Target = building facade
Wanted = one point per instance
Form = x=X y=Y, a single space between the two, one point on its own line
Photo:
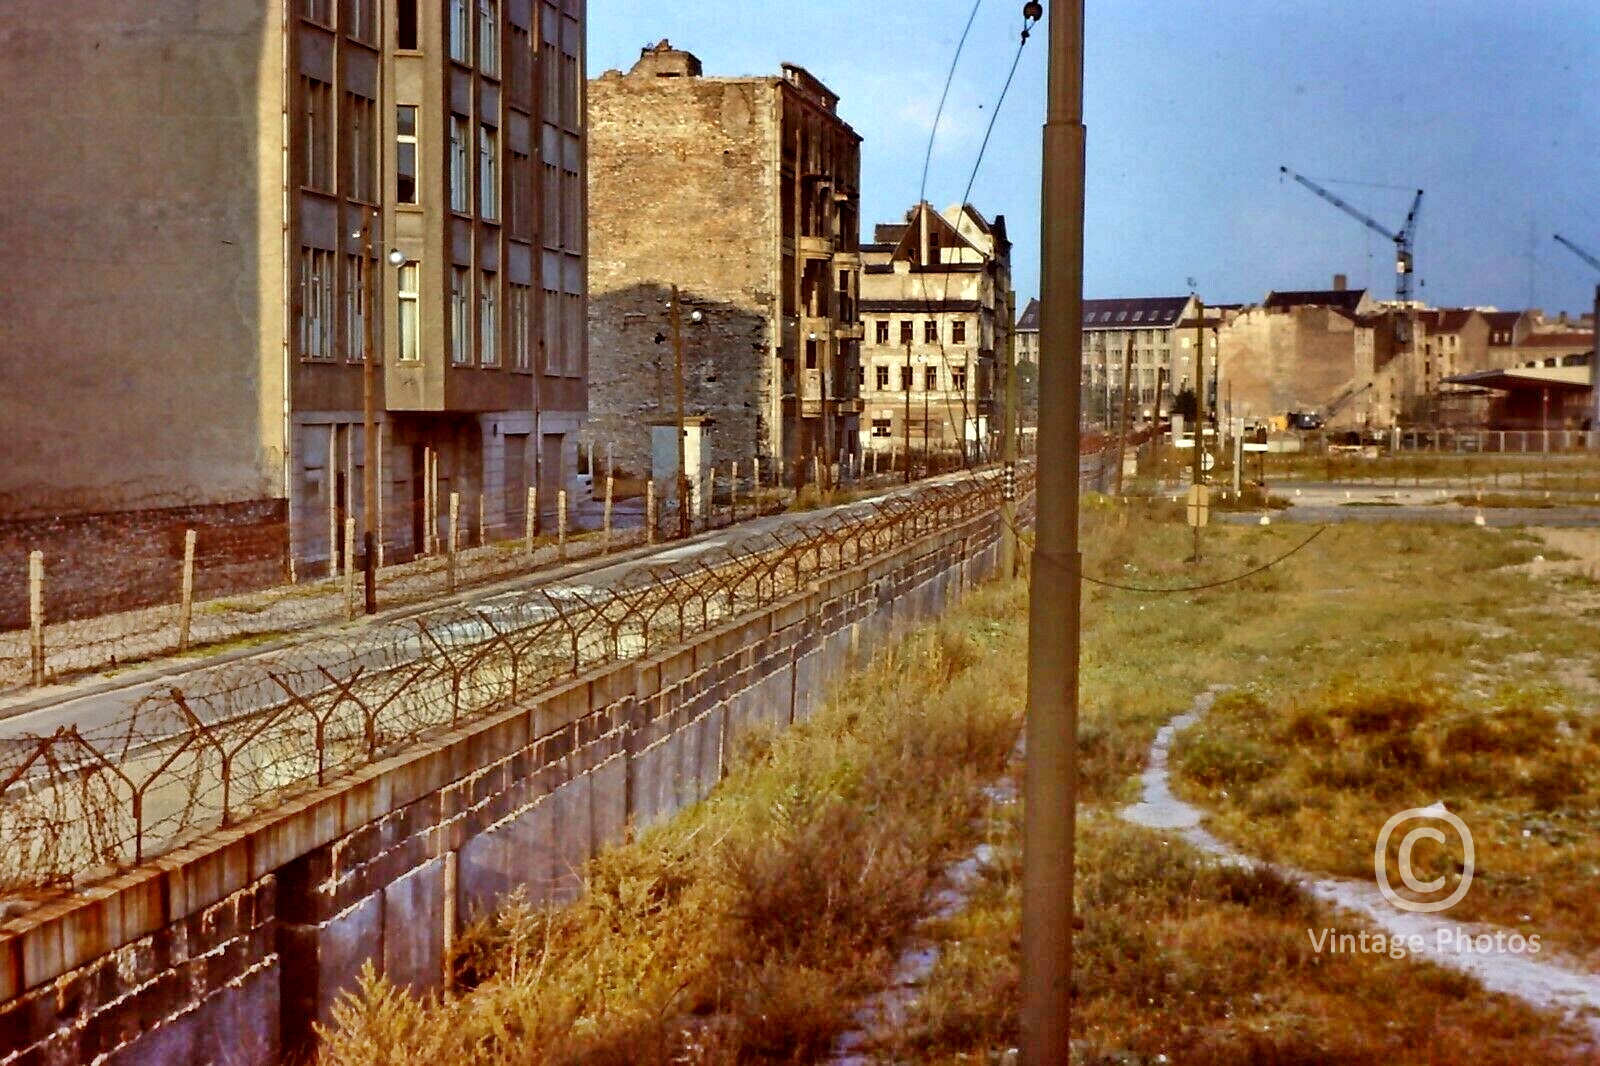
x=744 y=193
x=200 y=249
x=937 y=308
x=1162 y=365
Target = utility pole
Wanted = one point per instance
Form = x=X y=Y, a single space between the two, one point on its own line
x=1197 y=481
x=677 y=386
x=369 y=420
x=1008 y=459
x=907 y=383
x=1122 y=426
x=1054 y=608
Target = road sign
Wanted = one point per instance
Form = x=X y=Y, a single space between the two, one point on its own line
x=1207 y=460
x=1199 y=505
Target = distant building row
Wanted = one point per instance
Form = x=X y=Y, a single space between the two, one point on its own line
x=1355 y=362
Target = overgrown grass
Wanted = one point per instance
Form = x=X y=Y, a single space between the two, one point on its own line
x=746 y=929
x=1371 y=668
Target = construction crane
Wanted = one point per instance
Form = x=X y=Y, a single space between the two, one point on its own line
x=1579 y=252
x=1594 y=356
x=1404 y=264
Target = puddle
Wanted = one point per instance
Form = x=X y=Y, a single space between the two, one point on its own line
x=1540 y=982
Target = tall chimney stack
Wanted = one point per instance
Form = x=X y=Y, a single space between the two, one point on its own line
x=1340 y=283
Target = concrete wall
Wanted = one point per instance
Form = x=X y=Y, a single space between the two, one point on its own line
x=140 y=364
x=229 y=949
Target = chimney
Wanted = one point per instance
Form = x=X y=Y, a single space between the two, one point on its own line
x=1340 y=283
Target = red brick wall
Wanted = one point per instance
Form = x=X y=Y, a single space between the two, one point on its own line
x=99 y=563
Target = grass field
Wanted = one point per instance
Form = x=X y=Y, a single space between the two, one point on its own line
x=1372 y=668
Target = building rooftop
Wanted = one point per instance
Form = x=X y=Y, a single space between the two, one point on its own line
x=1028 y=321
x=1447 y=319
x=1137 y=313
x=1346 y=300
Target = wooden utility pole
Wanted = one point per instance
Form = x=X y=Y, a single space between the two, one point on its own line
x=1008 y=456
x=906 y=381
x=1054 y=607
x=369 y=421
x=1122 y=426
x=677 y=386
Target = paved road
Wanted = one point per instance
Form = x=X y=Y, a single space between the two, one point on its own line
x=1325 y=503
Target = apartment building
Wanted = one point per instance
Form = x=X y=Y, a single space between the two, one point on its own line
x=202 y=198
x=1161 y=368
x=937 y=310
x=743 y=192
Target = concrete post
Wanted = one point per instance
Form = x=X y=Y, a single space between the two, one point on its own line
x=332 y=470
x=733 y=492
x=528 y=517
x=483 y=529
x=650 y=512
x=605 y=543
x=36 y=617
x=350 y=567
x=450 y=544
x=186 y=608
x=561 y=523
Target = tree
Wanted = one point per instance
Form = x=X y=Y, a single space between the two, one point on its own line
x=1185 y=404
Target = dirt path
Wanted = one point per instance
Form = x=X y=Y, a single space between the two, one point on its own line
x=1535 y=979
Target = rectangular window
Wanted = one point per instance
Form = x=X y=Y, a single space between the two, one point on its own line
x=460 y=193
x=460 y=316
x=882 y=332
x=905 y=331
x=520 y=55
x=405 y=25
x=882 y=427
x=930 y=332
x=571 y=214
x=883 y=376
x=405 y=154
x=317 y=11
x=930 y=378
x=488 y=319
x=521 y=301
x=488 y=172
x=361 y=155
x=519 y=195
x=460 y=32
x=958 y=378
x=406 y=318
x=905 y=379
x=316 y=303
x=360 y=20
x=958 y=331
x=551 y=178
x=316 y=145
x=355 y=307
x=489 y=36
x=554 y=364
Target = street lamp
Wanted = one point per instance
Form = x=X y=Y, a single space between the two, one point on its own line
x=369 y=417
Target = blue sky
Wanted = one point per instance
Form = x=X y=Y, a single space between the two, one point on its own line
x=1493 y=108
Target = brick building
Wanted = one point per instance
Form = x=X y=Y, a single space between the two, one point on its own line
x=187 y=260
x=937 y=307
x=742 y=191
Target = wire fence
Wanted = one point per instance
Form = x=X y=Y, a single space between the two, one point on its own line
x=98 y=796
x=81 y=641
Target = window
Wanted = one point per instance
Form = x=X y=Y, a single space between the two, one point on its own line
x=883 y=376
x=883 y=331
x=360 y=20
x=520 y=44
x=521 y=305
x=905 y=379
x=405 y=25
x=930 y=378
x=405 y=154
x=488 y=171
x=519 y=196
x=460 y=316
x=551 y=177
x=361 y=158
x=571 y=214
x=355 y=307
x=317 y=11
x=317 y=134
x=905 y=331
x=958 y=331
x=460 y=32
x=553 y=363
x=489 y=36
x=958 y=378
x=460 y=195
x=930 y=332
x=406 y=340
x=882 y=427
x=488 y=319
x=316 y=303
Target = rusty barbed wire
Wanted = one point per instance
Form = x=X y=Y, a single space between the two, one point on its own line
x=236 y=737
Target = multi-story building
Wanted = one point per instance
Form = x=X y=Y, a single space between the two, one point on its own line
x=1027 y=333
x=937 y=309
x=202 y=197
x=744 y=193
x=1303 y=351
x=1161 y=369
